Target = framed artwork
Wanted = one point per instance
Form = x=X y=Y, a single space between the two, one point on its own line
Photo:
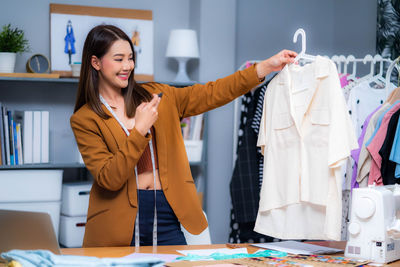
x=70 y=24
x=388 y=32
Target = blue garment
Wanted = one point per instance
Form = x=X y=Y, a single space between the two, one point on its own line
x=223 y=256
x=379 y=122
x=69 y=40
x=168 y=227
x=395 y=151
x=45 y=258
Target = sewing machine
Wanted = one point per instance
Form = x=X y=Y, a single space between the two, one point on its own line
x=374 y=228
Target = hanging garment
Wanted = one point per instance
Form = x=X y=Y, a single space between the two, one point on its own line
x=255 y=125
x=364 y=161
x=355 y=154
x=247 y=175
x=305 y=135
x=362 y=99
x=346 y=201
x=245 y=183
x=375 y=176
x=388 y=167
x=244 y=233
x=395 y=151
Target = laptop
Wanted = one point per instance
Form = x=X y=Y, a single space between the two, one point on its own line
x=27 y=230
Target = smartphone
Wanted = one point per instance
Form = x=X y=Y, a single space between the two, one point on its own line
x=160 y=94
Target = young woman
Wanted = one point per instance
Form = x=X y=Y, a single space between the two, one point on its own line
x=131 y=142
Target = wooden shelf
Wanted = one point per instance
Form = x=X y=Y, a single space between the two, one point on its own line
x=43 y=166
x=31 y=75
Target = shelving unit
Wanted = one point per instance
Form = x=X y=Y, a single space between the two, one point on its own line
x=57 y=95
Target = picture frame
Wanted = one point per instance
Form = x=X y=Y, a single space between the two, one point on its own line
x=70 y=24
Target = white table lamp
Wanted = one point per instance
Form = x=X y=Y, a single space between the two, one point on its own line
x=182 y=45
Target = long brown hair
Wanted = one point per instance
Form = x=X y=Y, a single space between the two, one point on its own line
x=97 y=43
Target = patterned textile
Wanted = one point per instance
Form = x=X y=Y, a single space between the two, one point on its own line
x=243 y=233
x=346 y=204
x=245 y=183
x=248 y=167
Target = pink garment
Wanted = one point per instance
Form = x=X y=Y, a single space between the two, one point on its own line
x=343 y=80
x=375 y=175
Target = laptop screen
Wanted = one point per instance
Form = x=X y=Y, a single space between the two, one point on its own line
x=27 y=230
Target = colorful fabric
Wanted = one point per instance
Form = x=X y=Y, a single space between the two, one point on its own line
x=355 y=154
x=375 y=176
x=44 y=258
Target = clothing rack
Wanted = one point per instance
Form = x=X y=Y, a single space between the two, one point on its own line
x=339 y=60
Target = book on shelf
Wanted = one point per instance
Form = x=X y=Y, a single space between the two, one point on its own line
x=192 y=127
x=36 y=140
x=185 y=125
x=11 y=137
x=3 y=148
x=198 y=125
x=6 y=136
x=25 y=118
x=19 y=144
x=44 y=155
x=15 y=142
x=24 y=136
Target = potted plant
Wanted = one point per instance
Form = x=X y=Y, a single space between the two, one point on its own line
x=12 y=41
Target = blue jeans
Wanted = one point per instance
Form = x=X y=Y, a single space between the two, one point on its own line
x=168 y=227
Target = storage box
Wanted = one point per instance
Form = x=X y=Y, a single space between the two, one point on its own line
x=30 y=185
x=52 y=208
x=194 y=149
x=75 y=198
x=72 y=230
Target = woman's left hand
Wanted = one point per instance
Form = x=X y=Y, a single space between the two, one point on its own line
x=275 y=63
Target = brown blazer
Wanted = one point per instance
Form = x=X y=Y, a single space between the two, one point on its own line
x=111 y=157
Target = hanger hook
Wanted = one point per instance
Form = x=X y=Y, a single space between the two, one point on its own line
x=379 y=58
x=352 y=59
x=369 y=58
x=303 y=39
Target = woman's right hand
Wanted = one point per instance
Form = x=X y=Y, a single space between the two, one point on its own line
x=146 y=115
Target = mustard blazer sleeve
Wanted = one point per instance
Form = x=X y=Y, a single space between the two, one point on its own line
x=110 y=166
x=197 y=99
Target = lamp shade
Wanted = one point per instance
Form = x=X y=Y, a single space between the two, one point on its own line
x=183 y=43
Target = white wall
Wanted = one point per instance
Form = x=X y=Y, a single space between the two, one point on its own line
x=264 y=27
x=217 y=48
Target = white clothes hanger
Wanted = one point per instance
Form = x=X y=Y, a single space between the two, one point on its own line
x=352 y=59
x=336 y=59
x=343 y=59
x=302 y=54
x=369 y=58
x=379 y=76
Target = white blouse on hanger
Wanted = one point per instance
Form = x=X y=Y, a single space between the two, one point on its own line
x=305 y=135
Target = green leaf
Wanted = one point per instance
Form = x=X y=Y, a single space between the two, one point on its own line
x=13 y=40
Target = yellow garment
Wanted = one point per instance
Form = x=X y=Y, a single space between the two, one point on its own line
x=14 y=264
